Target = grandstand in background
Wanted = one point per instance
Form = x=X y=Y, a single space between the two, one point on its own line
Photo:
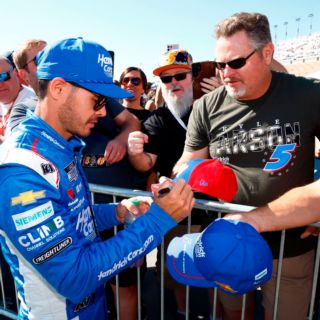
x=301 y=55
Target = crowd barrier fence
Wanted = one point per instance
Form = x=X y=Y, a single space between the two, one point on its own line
x=206 y=205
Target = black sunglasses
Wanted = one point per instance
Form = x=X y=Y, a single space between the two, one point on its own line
x=101 y=100
x=236 y=63
x=100 y=103
x=178 y=77
x=134 y=80
x=32 y=60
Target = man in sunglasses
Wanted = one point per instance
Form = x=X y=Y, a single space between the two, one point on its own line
x=263 y=124
x=155 y=146
x=48 y=224
x=105 y=163
x=160 y=143
x=25 y=59
x=12 y=92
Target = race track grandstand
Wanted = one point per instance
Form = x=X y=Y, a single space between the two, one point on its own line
x=301 y=55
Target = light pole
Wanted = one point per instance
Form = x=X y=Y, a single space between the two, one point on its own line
x=286 y=25
x=298 y=26
x=275 y=33
x=310 y=16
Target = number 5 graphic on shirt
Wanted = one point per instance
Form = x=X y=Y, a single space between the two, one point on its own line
x=280 y=157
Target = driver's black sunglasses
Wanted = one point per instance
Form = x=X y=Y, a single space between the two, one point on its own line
x=101 y=100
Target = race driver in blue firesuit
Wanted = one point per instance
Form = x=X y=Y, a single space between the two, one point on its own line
x=48 y=225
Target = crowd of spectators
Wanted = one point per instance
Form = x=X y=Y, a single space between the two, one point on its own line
x=299 y=49
x=142 y=136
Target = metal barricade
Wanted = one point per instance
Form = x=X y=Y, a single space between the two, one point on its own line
x=220 y=207
x=200 y=204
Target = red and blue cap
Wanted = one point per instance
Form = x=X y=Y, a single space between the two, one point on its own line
x=211 y=177
x=229 y=255
x=85 y=63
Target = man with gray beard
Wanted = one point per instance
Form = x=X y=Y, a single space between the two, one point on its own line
x=161 y=142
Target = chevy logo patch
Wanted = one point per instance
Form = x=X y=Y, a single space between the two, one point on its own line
x=28 y=197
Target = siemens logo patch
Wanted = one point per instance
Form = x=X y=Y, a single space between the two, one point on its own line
x=53 y=251
x=33 y=217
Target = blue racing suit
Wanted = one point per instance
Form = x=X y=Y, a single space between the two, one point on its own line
x=48 y=227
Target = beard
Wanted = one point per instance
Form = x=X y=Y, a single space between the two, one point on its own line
x=179 y=106
x=70 y=120
x=236 y=93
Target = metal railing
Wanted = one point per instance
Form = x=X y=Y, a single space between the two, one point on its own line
x=206 y=205
x=221 y=207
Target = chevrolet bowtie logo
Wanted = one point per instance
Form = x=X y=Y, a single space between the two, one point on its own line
x=27 y=197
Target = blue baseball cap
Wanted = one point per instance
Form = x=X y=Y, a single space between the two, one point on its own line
x=230 y=255
x=211 y=177
x=83 y=62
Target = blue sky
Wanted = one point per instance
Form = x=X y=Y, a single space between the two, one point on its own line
x=139 y=30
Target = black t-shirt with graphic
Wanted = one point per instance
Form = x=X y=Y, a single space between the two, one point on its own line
x=269 y=142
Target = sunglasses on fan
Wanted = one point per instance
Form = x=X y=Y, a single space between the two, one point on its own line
x=177 y=77
x=5 y=76
x=134 y=80
x=236 y=63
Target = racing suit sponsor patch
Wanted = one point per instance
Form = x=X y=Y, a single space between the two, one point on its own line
x=47 y=168
x=28 y=197
x=78 y=187
x=52 y=251
x=70 y=193
x=126 y=260
x=71 y=171
x=85 y=224
x=84 y=303
x=43 y=234
x=53 y=140
x=34 y=161
x=33 y=217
